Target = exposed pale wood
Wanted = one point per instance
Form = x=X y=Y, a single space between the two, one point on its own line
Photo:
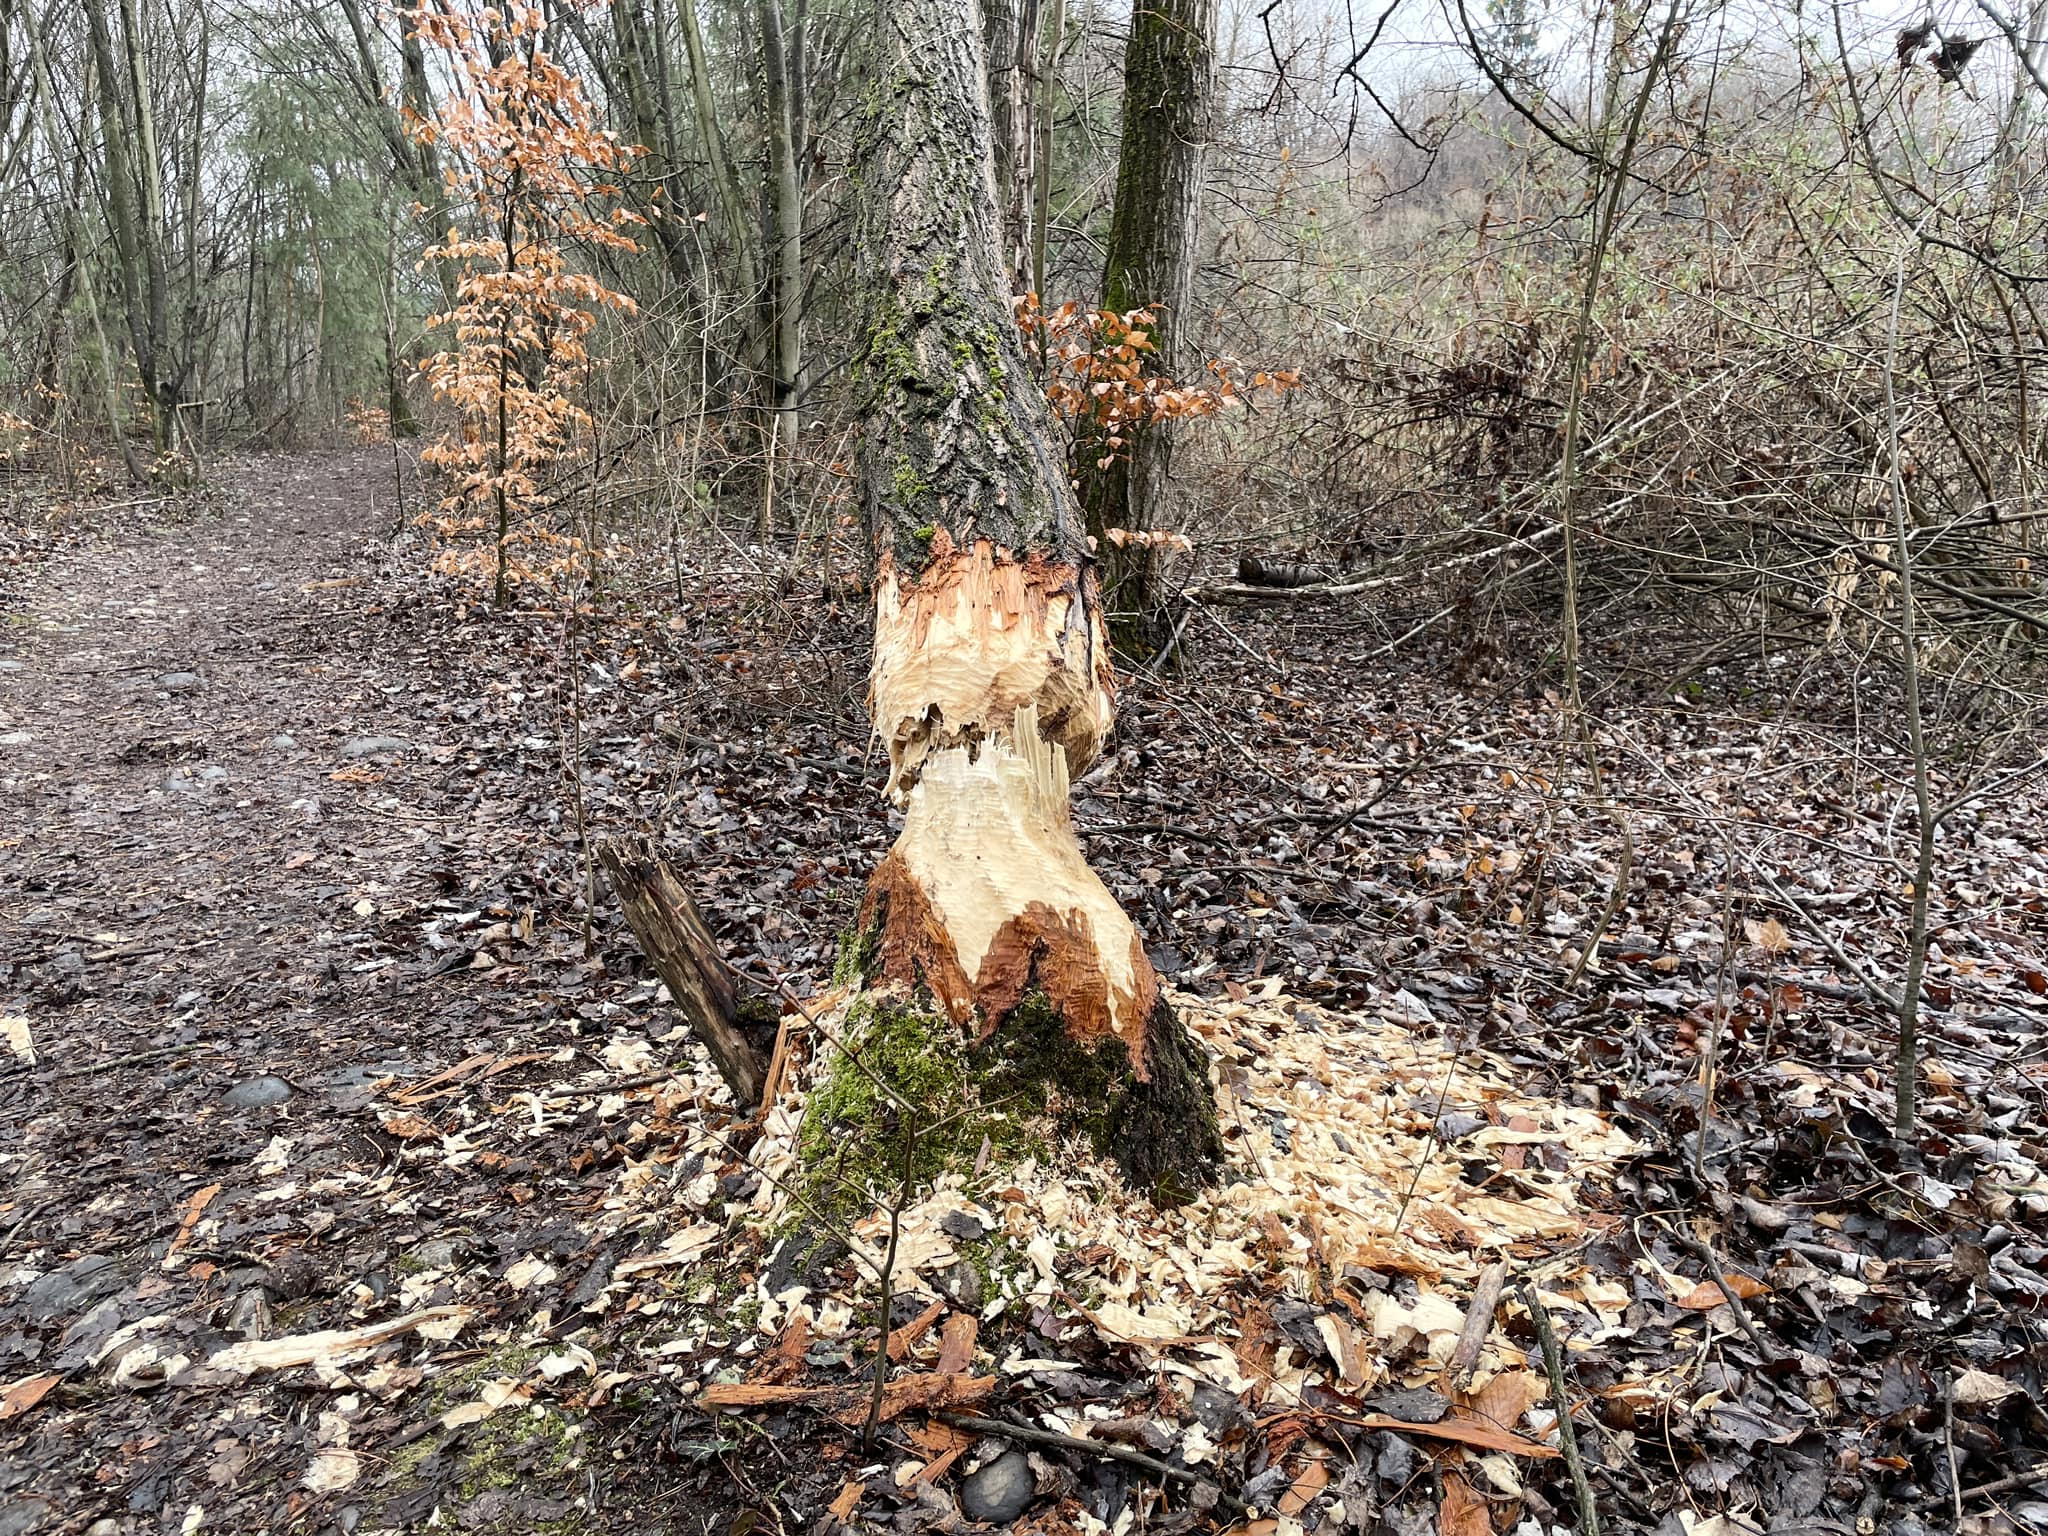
x=973 y=638
x=986 y=897
x=1478 y=1323
x=677 y=943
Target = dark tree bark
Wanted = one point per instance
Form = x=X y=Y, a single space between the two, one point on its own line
x=1169 y=86
x=674 y=938
x=1010 y=31
x=992 y=683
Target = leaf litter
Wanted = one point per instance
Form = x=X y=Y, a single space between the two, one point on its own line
x=1370 y=898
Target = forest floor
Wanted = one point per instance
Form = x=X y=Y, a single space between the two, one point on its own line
x=310 y=1026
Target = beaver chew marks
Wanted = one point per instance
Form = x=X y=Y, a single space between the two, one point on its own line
x=960 y=648
x=986 y=897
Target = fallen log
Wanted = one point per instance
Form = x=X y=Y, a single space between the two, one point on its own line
x=673 y=936
x=1254 y=571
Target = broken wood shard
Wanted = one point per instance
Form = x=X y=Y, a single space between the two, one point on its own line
x=986 y=897
x=673 y=936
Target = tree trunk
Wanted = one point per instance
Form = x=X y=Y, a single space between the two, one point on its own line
x=1169 y=72
x=156 y=268
x=121 y=216
x=782 y=49
x=723 y=177
x=991 y=686
x=1010 y=31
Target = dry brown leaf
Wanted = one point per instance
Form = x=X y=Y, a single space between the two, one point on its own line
x=848 y=1496
x=407 y=1126
x=1504 y=1399
x=1706 y=1296
x=1462 y=1512
x=18 y=1397
x=1308 y=1482
x=1486 y=1437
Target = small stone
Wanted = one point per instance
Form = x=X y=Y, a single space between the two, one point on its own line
x=437 y=1252
x=963 y=1226
x=16 y=739
x=372 y=746
x=960 y=1283
x=1000 y=1491
x=283 y=743
x=10 y=665
x=257 y=1093
x=178 y=682
x=250 y=1314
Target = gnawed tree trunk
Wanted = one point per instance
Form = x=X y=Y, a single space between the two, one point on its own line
x=991 y=685
x=1169 y=73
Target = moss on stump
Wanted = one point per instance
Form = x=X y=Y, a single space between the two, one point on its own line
x=1025 y=1090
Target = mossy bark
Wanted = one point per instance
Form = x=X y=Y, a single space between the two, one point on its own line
x=992 y=685
x=912 y=1091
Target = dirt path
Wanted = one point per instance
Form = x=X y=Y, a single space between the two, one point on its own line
x=228 y=905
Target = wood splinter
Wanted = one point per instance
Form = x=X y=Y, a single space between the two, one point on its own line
x=674 y=937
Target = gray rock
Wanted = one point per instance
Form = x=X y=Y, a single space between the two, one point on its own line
x=372 y=746
x=73 y=1288
x=283 y=743
x=437 y=1252
x=189 y=781
x=10 y=665
x=1000 y=1491
x=249 y=1315
x=93 y=1329
x=178 y=682
x=960 y=1283
x=257 y=1093
x=963 y=1226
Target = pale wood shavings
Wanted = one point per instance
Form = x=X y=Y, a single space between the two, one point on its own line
x=1342 y=1184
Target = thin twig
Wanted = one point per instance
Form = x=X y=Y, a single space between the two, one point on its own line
x=1567 y=1438
x=886 y=1285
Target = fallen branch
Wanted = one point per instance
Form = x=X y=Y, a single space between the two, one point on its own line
x=1567 y=1438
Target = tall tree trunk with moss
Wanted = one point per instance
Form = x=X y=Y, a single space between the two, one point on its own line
x=1169 y=86
x=991 y=687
